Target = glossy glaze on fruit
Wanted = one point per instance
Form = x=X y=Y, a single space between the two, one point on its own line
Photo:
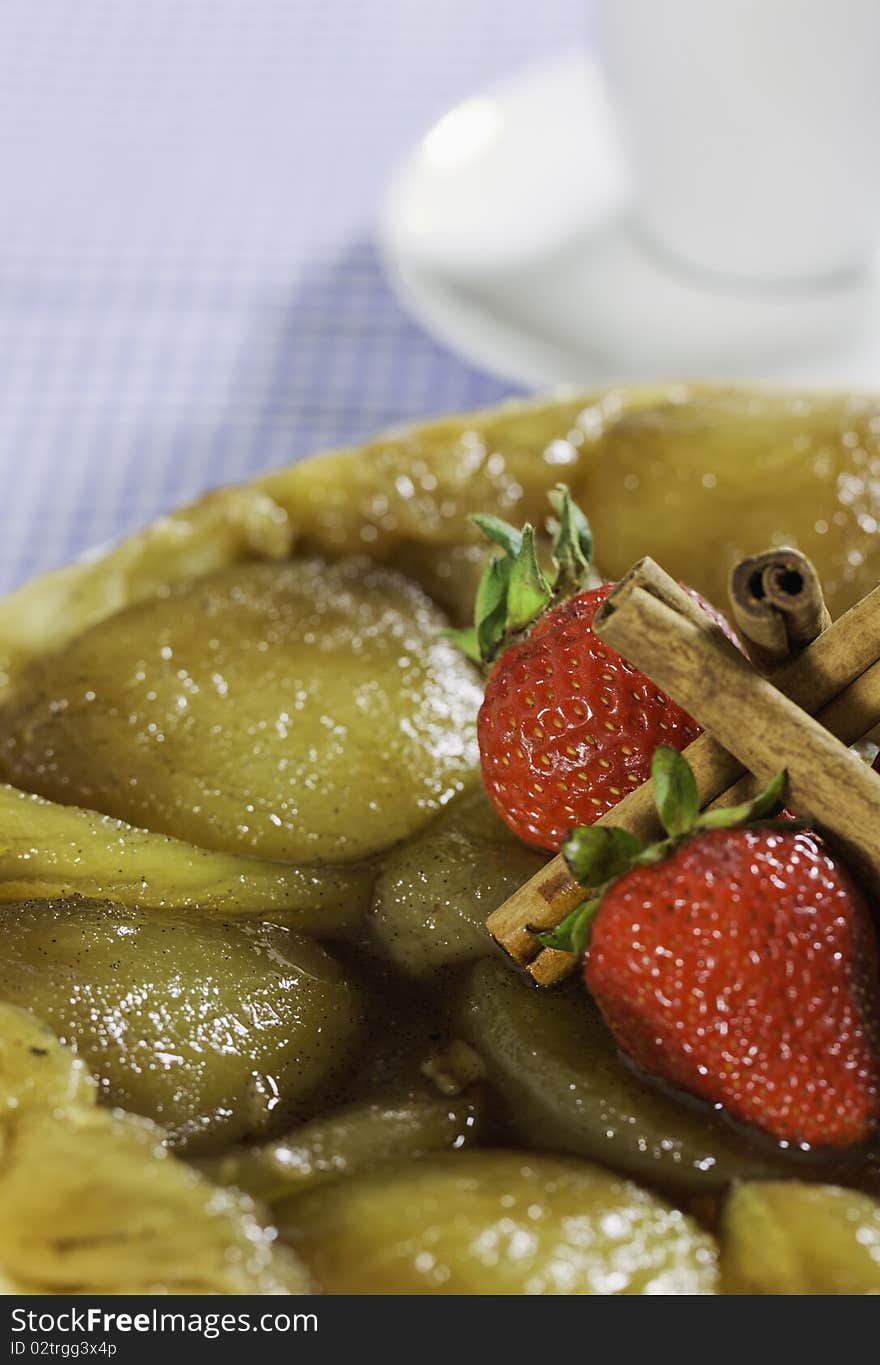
x=217 y=1031
x=245 y=712
x=286 y=968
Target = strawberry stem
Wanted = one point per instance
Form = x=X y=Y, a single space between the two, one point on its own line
x=514 y=591
x=572 y=544
x=528 y=591
x=599 y=855
x=573 y=934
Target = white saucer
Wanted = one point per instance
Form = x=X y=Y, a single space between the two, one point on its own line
x=508 y=233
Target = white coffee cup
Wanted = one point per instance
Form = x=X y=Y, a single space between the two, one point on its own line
x=752 y=128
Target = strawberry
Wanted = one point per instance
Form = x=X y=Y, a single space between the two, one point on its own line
x=566 y=727
x=735 y=960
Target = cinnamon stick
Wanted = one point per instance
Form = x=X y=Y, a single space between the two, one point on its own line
x=851 y=715
x=830 y=668
x=777 y=604
x=764 y=729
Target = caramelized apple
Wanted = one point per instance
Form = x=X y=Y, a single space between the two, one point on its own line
x=216 y=1031
x=497 y=1223
x=782 y=1237
x=701 y=482
x=434 y=893
x=302 y=712
x=93 y=1203
x=567 y=1089
x=50 y=851
x=347 y=1142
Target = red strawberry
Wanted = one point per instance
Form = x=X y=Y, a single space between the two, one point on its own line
x=568 y=727
x=740 y=964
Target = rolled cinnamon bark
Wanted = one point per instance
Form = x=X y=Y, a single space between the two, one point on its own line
x=851 y=715
x=766 y=730
x=777 y=605
x=838 y=674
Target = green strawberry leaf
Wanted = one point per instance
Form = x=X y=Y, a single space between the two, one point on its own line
x=655 y=853
x=513 y=591
x=528 y=591
x=492 y=587
x=596 y=854
x=599 y=855
x=762 y=806
x=500 y=532
x=573 y=934
x=572 y=543
x=675 y=791
x=490 y=611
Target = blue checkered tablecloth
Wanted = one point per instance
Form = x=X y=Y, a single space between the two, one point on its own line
x=188 y=291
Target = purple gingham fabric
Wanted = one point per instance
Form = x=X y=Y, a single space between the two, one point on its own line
x=188 y=291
